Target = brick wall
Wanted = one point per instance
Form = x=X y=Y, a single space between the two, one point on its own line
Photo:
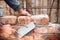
x=36 y=7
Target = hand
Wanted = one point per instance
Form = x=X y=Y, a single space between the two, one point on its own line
x=7 y=30
x=24 y=13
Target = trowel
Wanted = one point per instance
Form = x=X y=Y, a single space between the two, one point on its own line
x=25 y=29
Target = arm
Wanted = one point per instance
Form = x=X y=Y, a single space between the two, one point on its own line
x=16 y=6
x=13 y=4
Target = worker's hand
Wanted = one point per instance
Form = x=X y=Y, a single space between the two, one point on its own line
x=23 y=13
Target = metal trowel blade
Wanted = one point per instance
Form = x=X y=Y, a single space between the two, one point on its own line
x=26 y=29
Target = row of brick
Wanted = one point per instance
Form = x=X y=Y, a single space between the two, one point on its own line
x=37 y=19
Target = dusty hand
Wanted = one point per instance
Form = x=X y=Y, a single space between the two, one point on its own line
x=7 y=30
x=23 y=13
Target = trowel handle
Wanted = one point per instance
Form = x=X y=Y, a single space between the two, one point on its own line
x=1 y=24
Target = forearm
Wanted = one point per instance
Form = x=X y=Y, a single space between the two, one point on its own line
x=13 y=4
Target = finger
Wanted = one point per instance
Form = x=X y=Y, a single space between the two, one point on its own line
x=28 y=14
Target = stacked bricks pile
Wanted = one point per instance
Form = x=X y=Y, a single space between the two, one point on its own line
x=42 y=31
